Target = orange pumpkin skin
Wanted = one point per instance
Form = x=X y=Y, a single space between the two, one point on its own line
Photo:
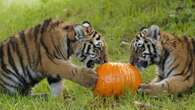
x=114 y=78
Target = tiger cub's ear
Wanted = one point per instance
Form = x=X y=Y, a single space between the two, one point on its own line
x=87 y=26
x=154 y=32
x=142 y=28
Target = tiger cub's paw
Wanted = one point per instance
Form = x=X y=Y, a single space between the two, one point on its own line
x=148 y=89
x=88 y=77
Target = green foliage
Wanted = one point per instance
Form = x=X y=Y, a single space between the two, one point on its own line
x=117 y=20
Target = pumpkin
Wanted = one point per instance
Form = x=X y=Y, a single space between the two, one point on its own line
x=115 y=78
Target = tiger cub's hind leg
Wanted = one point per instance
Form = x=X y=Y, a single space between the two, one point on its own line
x=56 y=85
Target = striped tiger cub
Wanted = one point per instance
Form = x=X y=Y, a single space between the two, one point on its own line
x=173 y=56
x=44 y=52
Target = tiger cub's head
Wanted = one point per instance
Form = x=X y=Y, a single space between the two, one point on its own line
x=92 y=48
x=146 y=48
x=62 y=40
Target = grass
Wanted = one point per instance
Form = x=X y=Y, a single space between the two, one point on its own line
x=117 y=20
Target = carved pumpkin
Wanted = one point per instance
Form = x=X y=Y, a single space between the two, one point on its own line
x=114 y=78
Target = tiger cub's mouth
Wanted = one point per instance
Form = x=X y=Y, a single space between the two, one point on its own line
x=141 y=63
x=90 y=64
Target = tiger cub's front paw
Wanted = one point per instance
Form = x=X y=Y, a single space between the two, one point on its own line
x=147 y=89
x=88 y=77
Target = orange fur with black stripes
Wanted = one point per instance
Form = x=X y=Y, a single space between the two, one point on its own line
x=173 y=56
x=44 y=52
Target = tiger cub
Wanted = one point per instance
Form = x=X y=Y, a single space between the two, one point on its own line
x=44 y=52
x=173 y=56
